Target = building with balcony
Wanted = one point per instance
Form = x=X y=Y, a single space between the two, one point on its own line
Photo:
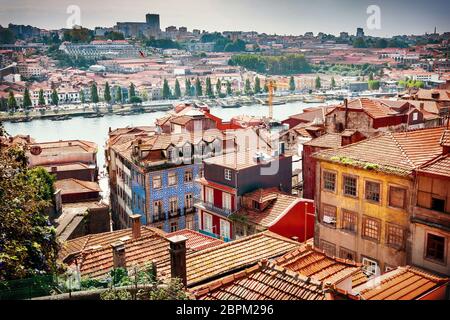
x=228 y=178
x=365 y=194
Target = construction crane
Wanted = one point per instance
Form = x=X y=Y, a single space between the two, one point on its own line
x=270 y=99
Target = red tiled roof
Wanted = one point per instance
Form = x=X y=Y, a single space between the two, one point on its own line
x=314 y=263
x=264 y=281
x=234 y=255
x=396 y=153
x=70 y=186
x=329 y=140
x=403 y=283
x=439 y=166
x=196 y=241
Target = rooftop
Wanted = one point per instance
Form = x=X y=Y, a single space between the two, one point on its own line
x=393 y=153
x=264 y=281
x=196 y=241
x=71 y=186
x=403 y=283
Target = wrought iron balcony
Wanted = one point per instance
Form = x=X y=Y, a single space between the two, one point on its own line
x=211 y=207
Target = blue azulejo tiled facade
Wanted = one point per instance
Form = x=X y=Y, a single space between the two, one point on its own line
x=164 y=204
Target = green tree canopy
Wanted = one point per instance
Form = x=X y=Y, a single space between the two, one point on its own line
x=12 y=103
x=41 y=100
x=118 y=98
x=94 y=93
x=187 y=86
x=27 y=99
x=229 y=88
x=132 y=90
x=177 y=92
x=292 y=84
x=218 y=87
x=166 y=90
x=247 y=87
x=198 y=88
x=333 y=82
x=318 y=83
x=107 y=93
x=28 y=244
x=209 y=90
x=55 y=97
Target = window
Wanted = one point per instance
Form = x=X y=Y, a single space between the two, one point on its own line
x=395 y=236
x=347 y=254
x=228 y=174
x=328 y=247
x=157 y=182
x=349 y=221
x=188 y=176
x=437 y=204
x=435 y=247
x=329 y=215
x=224 y=228
x=370 y=266
x=226 y=201
x=371 y=228
x=209 y=195
x=173 y=205
x=256 y=205
x=372 y=191
x=157 y=208
x=190 y=222
x=173 y=226
x=172 y=178
x=350 y=186
x=207 y=222
x=329 y=181
x=397 y=197
x=188 y=201
x=415 y=116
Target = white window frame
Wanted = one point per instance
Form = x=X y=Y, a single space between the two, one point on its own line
x=226 y=201
x=225 y=228
x=370 y=266
x=227 y=174
x=207 y=222
x=209 y=195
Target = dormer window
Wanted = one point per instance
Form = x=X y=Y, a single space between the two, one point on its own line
x=256 y=205
x=227 y=174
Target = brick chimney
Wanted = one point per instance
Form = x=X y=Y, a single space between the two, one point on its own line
x=118 y=249
x=178 y=258
x=135 y=226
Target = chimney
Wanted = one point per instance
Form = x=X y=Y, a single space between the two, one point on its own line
x=135 y=226
x=178 y=258
x=422 y=106
x=346 y=113
x=118 y=249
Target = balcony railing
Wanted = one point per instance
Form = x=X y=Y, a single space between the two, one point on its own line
x=211 y=207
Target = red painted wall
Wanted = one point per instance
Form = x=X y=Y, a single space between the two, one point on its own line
x=218 y=198
x=298 y=222
x=215 y=223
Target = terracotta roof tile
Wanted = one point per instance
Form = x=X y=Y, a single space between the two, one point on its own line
x=70 y=186
x=265 y=281
x=329 y=140
x=396 y=153
x=314 y=263
x=196 y=241
x=233 y=255
x=403 y=283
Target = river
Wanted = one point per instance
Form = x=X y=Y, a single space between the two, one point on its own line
x=96 y=129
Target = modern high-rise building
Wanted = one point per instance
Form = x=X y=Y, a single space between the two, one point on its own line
x=360 y=33
x=152 y=21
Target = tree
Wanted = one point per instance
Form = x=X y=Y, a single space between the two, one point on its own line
x=333 y=82
x=177 y=92
x=27 y=239
x=55 y=97
x=118 y=95
x=12 y=103
x=359 y=43
x=187 y=86
x=229 y=89
x=6 y=36
x=82 y=96
x=371 y=76
x=318 y=83
x=41 y=100
x=247 y=87
x=257 y=85
x=166 y=90
x=94 y=93
x=266 y=87
x=218 y=87
x=27 y=99
x=107 y=93
x=374 y=85
x=292 y=84
x=209 y=91
x=132 y=90
x=198 y=88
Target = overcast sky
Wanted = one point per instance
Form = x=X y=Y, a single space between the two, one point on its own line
x=270 y=16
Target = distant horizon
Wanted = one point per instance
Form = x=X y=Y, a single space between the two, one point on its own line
x=286 y=17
